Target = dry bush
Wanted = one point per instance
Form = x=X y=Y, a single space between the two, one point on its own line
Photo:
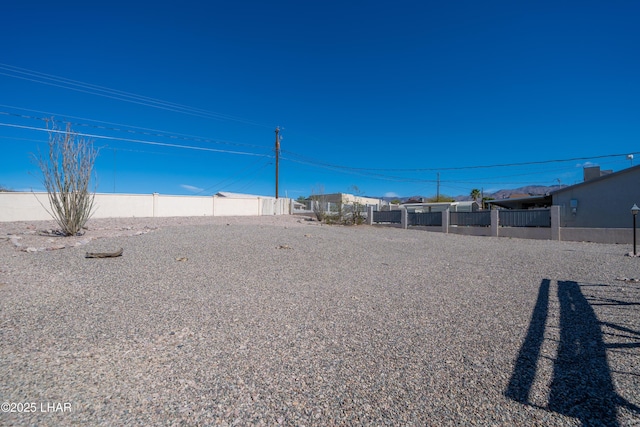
x=66 y=174
x=319 y=203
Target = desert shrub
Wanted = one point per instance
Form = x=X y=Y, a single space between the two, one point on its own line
x=66 y=174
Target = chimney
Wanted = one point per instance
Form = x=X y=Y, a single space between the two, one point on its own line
x=591 y=172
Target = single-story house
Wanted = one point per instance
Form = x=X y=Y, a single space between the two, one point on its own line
x=465 y=206
x=601 y=201
x=333 y=200
x=528 y=202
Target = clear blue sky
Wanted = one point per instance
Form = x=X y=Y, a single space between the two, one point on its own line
x=377 y=94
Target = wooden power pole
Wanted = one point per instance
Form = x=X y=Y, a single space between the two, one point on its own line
x=277 y=157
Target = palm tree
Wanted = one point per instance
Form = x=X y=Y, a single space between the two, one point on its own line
x=475 y=194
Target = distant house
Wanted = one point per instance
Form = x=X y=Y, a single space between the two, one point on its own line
x=230 y=195
x=465 y=206
x=415 y=200
x=524 y=202
x=333 y=200
x=603 y=200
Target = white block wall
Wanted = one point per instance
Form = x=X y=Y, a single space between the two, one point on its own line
x=29 y=206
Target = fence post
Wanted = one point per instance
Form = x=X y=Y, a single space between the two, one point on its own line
x=404 y=218
x=555 y=222
x=370 y=215
x=495 y=222
x=445 y=221
x=155 y=204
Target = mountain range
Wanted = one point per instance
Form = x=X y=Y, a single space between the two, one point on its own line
x=529 y=190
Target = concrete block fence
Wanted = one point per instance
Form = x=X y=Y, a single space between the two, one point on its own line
x=551 y=232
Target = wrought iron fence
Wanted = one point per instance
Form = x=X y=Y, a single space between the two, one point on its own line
x=471 y=219
x=425 y=218
x=387 y=216
x=525 y=217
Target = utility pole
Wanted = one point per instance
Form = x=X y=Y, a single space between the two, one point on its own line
x=438 y=189
x=277 y=156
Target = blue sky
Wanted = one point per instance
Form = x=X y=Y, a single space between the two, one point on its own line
x=378 y=95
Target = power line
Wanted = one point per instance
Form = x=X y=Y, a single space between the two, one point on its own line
x=146 y=131
x=138 y=141
x=92 y=89
x=356 y=172
x=540 y=162
x=231 y=178
x=247 y=185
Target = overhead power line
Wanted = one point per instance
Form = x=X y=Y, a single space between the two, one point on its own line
x=92 y=89
x=236 y=177
x=139 y=141
x=500 y=165
x=355 y=172
x=145 y=131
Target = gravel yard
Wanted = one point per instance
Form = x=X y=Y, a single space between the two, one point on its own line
x=281 y=321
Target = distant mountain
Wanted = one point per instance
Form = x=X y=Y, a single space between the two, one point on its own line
x=529 y=190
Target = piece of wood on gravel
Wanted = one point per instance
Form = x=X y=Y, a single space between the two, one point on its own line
x=104 y=254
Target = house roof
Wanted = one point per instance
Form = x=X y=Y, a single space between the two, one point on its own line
x=598 y=179
x=521 y=202
x=238 y=195
x=460 y=203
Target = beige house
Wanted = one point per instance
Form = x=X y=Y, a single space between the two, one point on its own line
x=334 y=200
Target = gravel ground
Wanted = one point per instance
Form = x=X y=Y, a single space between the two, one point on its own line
x=281 y=321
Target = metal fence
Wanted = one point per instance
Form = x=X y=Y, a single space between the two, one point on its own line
x=471 y=219
x=387 y=216
x=506 y=218
x=425 y=218
x=525 y=218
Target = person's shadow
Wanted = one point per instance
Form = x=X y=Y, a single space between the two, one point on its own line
x=582 y=386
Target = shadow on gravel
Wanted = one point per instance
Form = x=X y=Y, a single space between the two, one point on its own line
x=582 y=386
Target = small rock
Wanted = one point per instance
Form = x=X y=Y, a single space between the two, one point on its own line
x=31 y=249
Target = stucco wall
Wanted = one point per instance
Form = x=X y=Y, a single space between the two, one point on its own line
x=183 y=206
x=598 y=235
x=470 y=231
x=122 y=205
x=541 y=233
x=23 y=206
x=236 y=207
x=29 y=206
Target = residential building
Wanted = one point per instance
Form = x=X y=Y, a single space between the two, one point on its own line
x=603 y=200
x=464 y=206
